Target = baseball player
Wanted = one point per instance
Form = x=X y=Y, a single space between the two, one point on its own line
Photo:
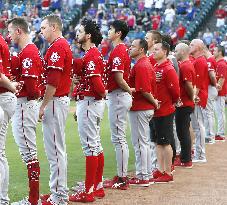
x=183 y=112
x=25 y=119
x=142 y=78
x=201 y=95
x=89 y=110
x=168 y=92
x=219 y=53
x=55 y=106
x=7 y=109
x=153 y=37
x=209 y=121
x=119 y=100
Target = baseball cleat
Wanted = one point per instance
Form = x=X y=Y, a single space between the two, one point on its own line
x=139 y=182
x=165 y=178
x=219 y=138
x=183 y=164
x=82 y=197
x=99 y=193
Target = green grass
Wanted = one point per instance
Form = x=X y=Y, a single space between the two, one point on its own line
x=76 y=164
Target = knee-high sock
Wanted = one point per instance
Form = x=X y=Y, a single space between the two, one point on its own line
x=99 y=172
x=91 y=168
x=33 y=177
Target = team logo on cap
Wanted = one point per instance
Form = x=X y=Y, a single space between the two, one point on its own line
x=27 y=63
x=91 y=66
x=117 y=61
x=54 y=57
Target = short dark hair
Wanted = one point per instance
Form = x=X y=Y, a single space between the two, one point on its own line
x=121 y=26
x=20 y=23
x=143 y=44
x=165 y=46
x=90 y=27
x=156 y=35
x=221 y=49
x=52 y=19
x=167 y=38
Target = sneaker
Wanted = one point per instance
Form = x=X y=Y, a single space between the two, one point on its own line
x=99 y=193
x=25 y=202
x=209 y=141
x=188 y=165
x=122 y=183
x=44 y=197
x=139 y=182
x=177 y=162
x=156 y=174
x=82 y=197
x=199 y=160
x=219 y=138
x=165 y=178
x=108 y=183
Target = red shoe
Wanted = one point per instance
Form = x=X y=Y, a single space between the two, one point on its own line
x=219 y=138
x=172 y=168
x=108 y=183
x=121 y=183
x=139 y=182
x=44 y=197
x=177 y=162
x=188 y=165
x=155 y=174
x=99 y=193
x=48 y=202
x=165 y=178
x=82 y=197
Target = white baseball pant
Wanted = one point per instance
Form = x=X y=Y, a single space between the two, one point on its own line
x=220 y=114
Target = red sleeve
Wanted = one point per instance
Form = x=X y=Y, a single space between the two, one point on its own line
x=77 y=66
x=98 y=85
x=56 y=58
x=222 y=71
x=172 y=84
x=1 y=67
x=200 y=67
x=94 y=67
x=53 y=78
x=186 y=74
x=118 y=60
x=142 y=80
x=31 y=87
x=211 y=64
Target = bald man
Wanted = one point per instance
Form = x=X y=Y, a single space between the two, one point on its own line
x=186 y=107
x=201 y=96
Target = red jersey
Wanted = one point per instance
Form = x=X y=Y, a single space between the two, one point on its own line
x=142 y=78
x=155 y=21
x=181 y=30
x=119 y=61
x=93 y=66
x=222 y=73
x=220 y=13
x=187 y=73
x=29 y=70
x=202 y=79
x=168 y=90
x=152 y=60
x=212 y=64
x=4 y=60
x=59 y=59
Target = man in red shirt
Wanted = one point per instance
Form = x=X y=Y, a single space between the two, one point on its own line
x=201 y=96
x=55 y=106
x=143 y=79
x=119 y=100
x=152 y=37
x=168 y=92
x=90 y=110
x=212 y=95
x=186 y=105
x=219 y=53
x=7 y=108
x=181 y=30
x=25 y=119
x=220 y=13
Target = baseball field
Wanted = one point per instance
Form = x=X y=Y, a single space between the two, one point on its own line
x=76 y=166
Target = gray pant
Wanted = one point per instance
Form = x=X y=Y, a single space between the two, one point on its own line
x=24 y=123
x=197 y=119
x=89 y=115
x=55 y=115
x=8 y=104
x=220 y=113
x=209 y=120
x=119 y=103
x=140 y=133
